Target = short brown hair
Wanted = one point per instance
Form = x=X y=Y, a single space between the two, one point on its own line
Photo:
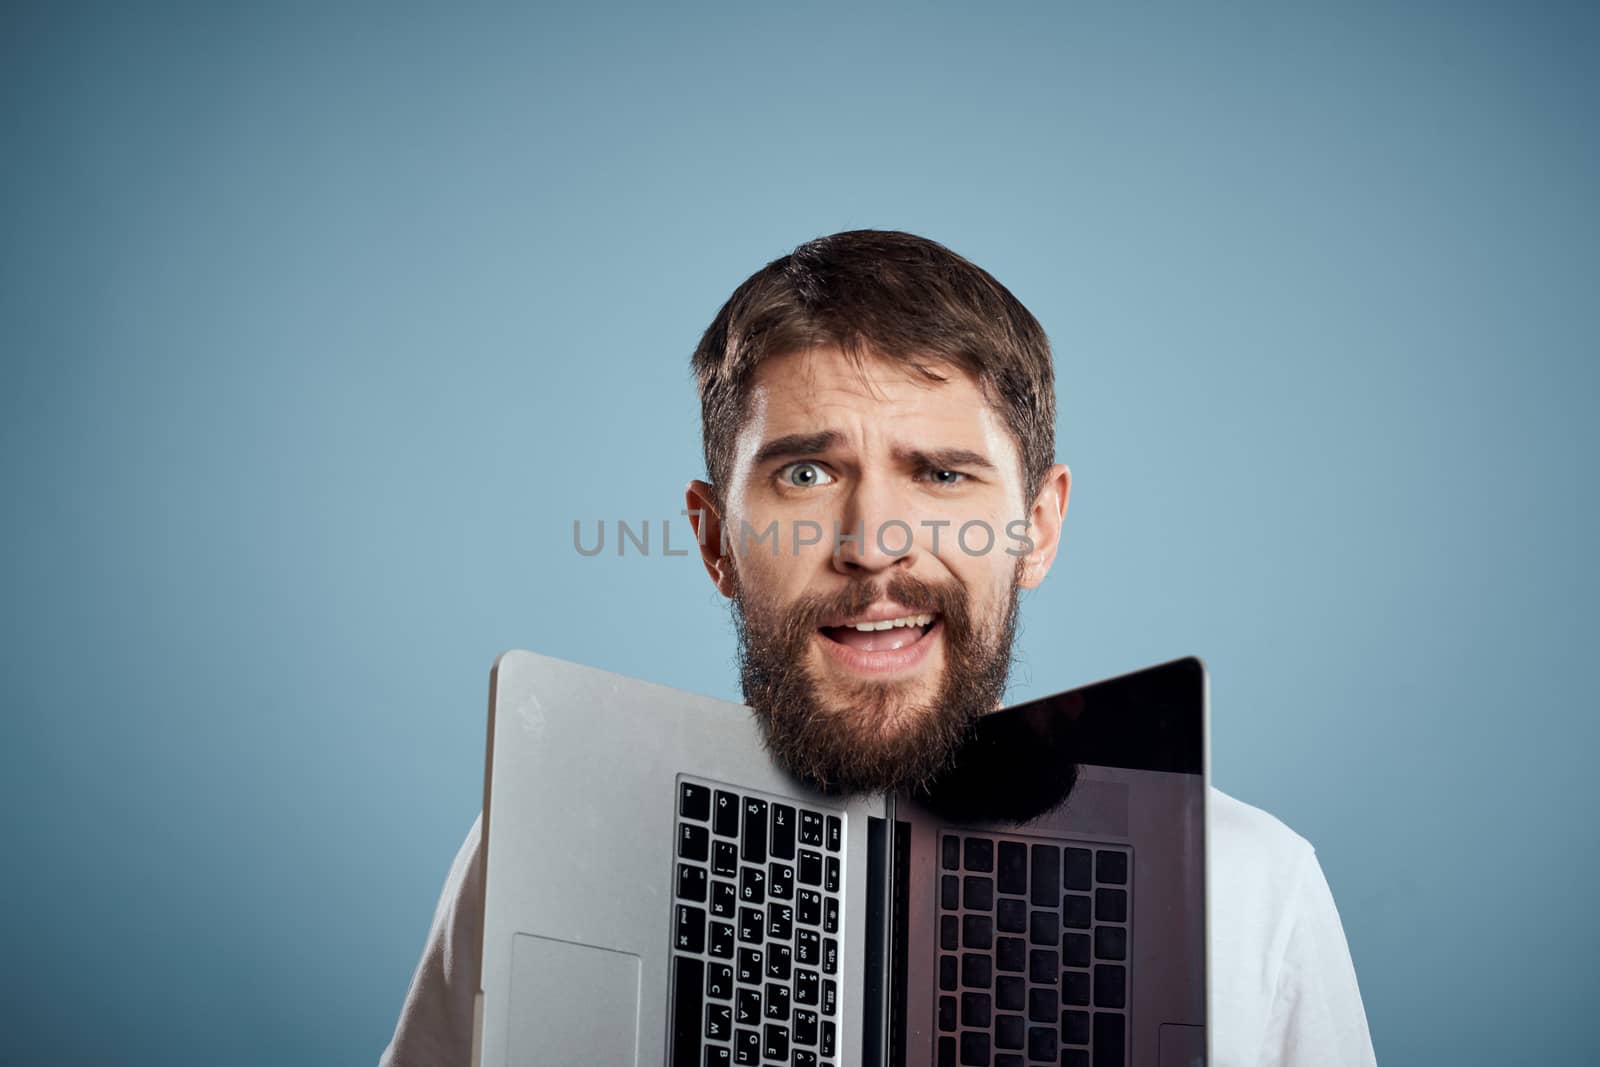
x=889 y=294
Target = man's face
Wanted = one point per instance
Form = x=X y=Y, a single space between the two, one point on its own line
x=923 y=479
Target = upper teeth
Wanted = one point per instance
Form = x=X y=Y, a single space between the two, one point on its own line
x=889 y=624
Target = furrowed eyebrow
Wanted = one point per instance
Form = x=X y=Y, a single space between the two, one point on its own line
x=943 y=459
x=795 y=444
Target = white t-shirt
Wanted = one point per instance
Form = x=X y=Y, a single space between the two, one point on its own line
x=1283 y=988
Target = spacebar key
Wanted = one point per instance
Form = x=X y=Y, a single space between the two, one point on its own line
x=688 y=996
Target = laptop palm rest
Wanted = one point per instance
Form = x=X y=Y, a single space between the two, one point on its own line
x=572 y=1003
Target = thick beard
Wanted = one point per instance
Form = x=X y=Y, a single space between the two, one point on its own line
x=870 y=741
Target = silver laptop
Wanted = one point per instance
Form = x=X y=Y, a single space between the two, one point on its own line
x=658 y=891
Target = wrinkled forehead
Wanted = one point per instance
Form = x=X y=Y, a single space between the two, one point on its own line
x=873 y=400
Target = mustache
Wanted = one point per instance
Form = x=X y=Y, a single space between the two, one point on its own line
x=947 y=600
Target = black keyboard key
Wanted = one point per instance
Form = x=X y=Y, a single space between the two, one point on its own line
x=721 y=941
x=779 y=959
x=805 y=987
x=975 y=1009
x=831 y=881
x=805 y=1027
x=830 y=996
x=949 y=933
x=719 y=1056
x=807 y=947
x=750 y=923
x=719 y=1021
x=725 y=814
x=777 y=1002
x=1008 y=1031
x=1075 y=950
x=753 y=839
x=725 y=859
x=977 y=972
x=1011 y=915
x=950 y=893
x=1043 y=1005
x=947 y=973
x=719 y=982
x=1075 y=912
x=780 y=922
x=1011 y=954
x=746 y=1046
x=1111 y=905
x=947 y=1014
x=950 y=852
x=1044 y=966
x=1046 y=875
x=1079 y=873
x=1042 y=1043
x=688 y=978
x=980 y=854
x=1077 y=1057
x=776 y=1043
x=947 y=1052
x=810 y=828
x=977 y=931
x=974 y=1049
x=724 y=900
x=1111 y=942
x=808 y=907
x=694 y=801
x=1111 y=867
x=1075 y=987
x=780 y=881
x=830 y=956
x=810 y=867
x=826 y=1046
x=1006 y=1059
x=750 y=962
x=693 y=842
x=782 y=841
x=691 y=935
x=1012 y=869
x=977 y=893
x=692 y=883
x=1009 y=992
x=748 y=1011
x=1045 y=928
x=1108 y=1039
x=1075 y=1027
x=835 y=834
x=1110 y=985
x=753 y=885
x=804 y=1058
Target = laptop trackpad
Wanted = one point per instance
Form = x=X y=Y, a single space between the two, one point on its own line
x=572 y=1003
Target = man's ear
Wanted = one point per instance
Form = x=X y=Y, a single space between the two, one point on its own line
x=1045 y=519
x=705 y=517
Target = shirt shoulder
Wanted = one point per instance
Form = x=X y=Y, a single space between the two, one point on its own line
x=435 y=1024
x=1283 y=988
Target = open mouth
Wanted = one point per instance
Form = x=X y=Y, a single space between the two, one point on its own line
x=885 y=635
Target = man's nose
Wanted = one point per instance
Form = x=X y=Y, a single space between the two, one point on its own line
x=875 y=532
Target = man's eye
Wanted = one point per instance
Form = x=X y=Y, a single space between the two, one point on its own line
x=805 y=475
x=946 y=477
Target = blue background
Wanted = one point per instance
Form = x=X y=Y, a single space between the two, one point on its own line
x=320 y=328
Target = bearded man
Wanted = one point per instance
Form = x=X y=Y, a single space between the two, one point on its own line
x=878 y=422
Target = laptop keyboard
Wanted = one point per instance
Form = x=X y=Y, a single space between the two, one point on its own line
x=1034 y=942
x=757 y=927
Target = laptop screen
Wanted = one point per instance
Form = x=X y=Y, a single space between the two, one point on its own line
x=1052 y=884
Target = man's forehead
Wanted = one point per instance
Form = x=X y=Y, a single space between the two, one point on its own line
x=822 y=382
